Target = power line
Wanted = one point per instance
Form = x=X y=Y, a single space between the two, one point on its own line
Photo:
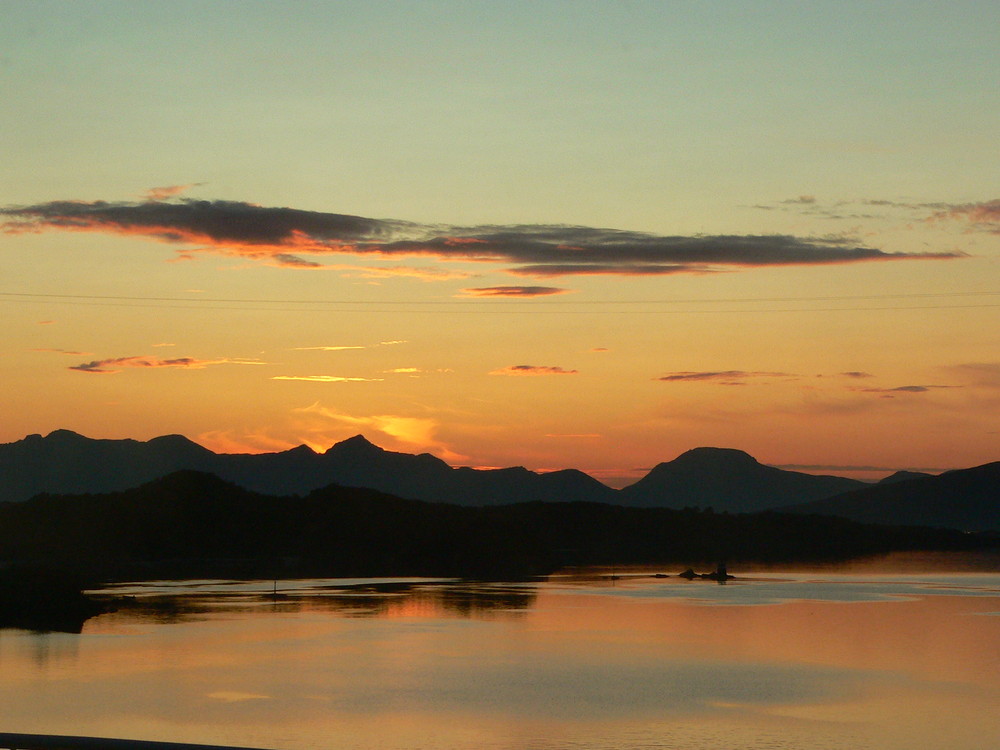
x=351 y=306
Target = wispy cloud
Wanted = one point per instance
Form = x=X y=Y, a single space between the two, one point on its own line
x=860 y=468
x=513 y=291
x=281 y=235
x=327 y=378
x=983 y=374
x=532 y=370
x=64 y=351
x=722 y=377
x=344 y=347
x=325 y=348
x=982 y=216
x=857 y=374
x=117 y=364
x=907 y=389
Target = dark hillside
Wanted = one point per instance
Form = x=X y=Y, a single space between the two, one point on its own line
x=191 y=524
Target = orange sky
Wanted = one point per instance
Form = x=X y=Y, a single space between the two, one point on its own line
x=782 y=236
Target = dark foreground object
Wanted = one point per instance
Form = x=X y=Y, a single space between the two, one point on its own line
x=10 y=741
x=39 y=598
x=719 y=574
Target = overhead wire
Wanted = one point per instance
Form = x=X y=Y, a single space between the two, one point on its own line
x=499 y=305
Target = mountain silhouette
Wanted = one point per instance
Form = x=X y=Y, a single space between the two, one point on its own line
x=730 y=480
x=65 y=463
x=966 y=499
x=723 y=479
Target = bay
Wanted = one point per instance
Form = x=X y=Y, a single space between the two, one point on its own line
x=825 y=659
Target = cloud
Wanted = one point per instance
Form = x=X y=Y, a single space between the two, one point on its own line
x=116 y=365
x=281 y=235
x=983 y=216
x=327 y=379
x=857 y=374
x=722 y=377
x=907 y=389
x=532 y=370
x=342 y=347
x=984 y=374
x=423 y=273
x=863 y=468
x=419 y=432
x=325 y=348
x=513 y=291
x=169 y=191
x=236 y=696
x=805 y=200
x=64 y=351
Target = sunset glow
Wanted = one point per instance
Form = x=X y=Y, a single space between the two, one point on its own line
x=653 y=226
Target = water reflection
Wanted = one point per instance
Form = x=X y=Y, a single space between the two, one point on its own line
x=772 y=660
x=369 y=599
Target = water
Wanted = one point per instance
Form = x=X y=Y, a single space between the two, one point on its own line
x=777 y=659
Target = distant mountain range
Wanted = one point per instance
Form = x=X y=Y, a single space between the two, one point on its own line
x=967 y=499
x=724 y=479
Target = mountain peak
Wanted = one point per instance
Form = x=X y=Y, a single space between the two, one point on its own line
x=358 y=444
x=715 y=457
x=64 y=436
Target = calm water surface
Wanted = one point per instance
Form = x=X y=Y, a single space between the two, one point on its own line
x=771 y=660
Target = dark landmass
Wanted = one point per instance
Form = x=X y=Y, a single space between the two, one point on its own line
x=903 y=476
x=967 y=499
x=192 y=524
x=38 y=597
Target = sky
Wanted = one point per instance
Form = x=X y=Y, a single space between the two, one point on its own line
x=546 y=234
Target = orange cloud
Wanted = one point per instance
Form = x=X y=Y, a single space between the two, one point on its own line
x=326 y=426
x=170 y=191
x=532 y=370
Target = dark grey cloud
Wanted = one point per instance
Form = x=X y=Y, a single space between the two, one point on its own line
x=117 y=364
x=908 y=389
x=513 y=291
x=723 y=377
x=282 y=235
x=533 y=370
